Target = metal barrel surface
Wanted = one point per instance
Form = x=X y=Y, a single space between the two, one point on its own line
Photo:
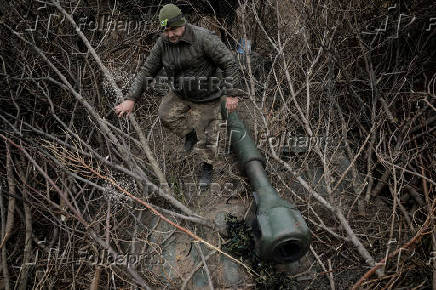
x=280 y=232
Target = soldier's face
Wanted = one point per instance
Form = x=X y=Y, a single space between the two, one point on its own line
x=174 y=33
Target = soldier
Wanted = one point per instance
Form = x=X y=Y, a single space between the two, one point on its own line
x=195 y=59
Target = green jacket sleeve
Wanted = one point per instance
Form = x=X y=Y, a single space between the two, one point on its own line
x=224 y=59
x=149 y=69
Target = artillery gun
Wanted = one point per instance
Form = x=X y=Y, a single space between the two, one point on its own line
x=280 y=232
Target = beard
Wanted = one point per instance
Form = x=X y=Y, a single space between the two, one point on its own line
x=174 y=39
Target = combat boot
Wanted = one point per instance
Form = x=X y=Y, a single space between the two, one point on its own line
x=206 y=175
x=190 y=141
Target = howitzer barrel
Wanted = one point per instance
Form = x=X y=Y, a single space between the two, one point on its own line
x=280 y=232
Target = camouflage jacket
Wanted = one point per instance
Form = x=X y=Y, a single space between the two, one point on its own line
x=193 y=65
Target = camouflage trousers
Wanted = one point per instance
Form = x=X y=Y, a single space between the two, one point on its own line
x=182 y=116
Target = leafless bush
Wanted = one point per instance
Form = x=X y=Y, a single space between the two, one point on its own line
x=341 y=102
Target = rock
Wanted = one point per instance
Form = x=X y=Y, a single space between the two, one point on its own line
x=221 y=223
x=231 y=273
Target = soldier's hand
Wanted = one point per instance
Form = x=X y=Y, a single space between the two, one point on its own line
x=231 y=104
x=125 y=107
